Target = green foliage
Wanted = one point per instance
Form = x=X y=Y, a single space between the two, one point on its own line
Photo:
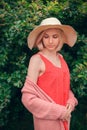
x=17 y=19
x=4 y=97
x=79 y=72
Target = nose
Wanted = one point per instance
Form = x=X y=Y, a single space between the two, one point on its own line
x=50 y=40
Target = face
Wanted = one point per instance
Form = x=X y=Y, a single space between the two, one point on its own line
x=52 y=39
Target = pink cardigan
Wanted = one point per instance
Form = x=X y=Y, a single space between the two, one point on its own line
x=47 y=114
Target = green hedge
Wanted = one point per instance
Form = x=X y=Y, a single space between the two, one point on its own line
x=17 y=19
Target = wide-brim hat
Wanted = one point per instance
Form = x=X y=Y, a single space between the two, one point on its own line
x=69 y=32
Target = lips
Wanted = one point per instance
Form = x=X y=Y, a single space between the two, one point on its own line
x=50 y=46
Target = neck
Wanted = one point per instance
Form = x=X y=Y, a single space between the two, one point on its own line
x=49 y=53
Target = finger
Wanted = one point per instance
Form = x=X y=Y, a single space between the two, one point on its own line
x=67 y=106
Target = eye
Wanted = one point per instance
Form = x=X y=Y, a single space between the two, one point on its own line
x=45 y=36
x=55 y=36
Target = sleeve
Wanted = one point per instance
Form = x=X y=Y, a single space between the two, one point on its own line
x=72 y=100
x=41 y=108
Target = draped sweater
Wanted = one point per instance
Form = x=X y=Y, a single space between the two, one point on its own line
x=47 y=99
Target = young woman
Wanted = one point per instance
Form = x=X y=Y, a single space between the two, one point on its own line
x=46 y=92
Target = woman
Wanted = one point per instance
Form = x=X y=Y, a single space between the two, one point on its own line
x=46 y=92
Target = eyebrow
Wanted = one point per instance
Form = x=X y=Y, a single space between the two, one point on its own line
x=48 y=34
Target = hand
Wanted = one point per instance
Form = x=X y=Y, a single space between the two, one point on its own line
x=68 y=112
x=69 y=106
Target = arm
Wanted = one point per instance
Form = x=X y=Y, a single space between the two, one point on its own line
x=34 y=68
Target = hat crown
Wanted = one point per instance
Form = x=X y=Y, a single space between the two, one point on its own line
x=50 y=21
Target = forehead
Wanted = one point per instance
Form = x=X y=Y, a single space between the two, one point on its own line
x=52 y=30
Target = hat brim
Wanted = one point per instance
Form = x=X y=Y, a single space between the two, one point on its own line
x=69 y=32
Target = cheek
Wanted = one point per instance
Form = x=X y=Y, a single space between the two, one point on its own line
x=57 y=41
x=45 y=41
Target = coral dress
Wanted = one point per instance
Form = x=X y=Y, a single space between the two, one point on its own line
x=55 y=82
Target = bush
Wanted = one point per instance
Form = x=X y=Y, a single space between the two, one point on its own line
x=17 y=19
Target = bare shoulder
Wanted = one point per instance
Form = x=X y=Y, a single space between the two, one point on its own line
x=34 y=67
x=35 y=59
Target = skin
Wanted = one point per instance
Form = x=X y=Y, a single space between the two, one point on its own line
x=51 y=44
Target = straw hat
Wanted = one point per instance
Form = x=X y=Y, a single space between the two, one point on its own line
x=69 y=32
